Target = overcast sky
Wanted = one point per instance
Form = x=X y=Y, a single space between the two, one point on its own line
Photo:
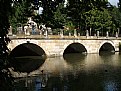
x=114 y=2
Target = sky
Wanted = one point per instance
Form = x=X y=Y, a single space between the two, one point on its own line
x=114 y=2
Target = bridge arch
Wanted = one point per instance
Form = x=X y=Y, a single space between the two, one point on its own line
x=27 y=49
x=75 y=48
x=107 y=46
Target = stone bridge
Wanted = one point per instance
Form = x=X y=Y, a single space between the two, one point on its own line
x=60 y=46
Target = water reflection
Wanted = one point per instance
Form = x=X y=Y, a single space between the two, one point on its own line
x=78 y=72
x=74 y=58
x=110 y=86
x=27 y=63
x=38 y=84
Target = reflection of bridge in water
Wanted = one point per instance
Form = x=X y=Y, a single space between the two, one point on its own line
x=57 y=46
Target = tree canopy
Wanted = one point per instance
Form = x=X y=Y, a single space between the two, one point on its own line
x=98 y=19
x=98 y=14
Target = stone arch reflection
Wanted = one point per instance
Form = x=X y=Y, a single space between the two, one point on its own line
x=75 y=48
x=75 y=58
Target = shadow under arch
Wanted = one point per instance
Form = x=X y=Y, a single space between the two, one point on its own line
x=75 y=48
x=107 y=48
x=27 y=49
x=75 y=53
x=27 y=57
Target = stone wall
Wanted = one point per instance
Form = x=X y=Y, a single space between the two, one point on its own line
x=56 y=47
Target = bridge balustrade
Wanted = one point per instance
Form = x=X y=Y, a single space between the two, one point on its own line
x=60 y=34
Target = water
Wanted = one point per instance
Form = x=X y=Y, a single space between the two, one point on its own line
x=75 y=72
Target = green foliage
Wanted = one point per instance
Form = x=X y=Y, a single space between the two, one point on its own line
x=20 y=13
x=69 y=27
x=81 y=13
x=59 y=16
x=49 y=7
x=4 y=14
x=119 y=5
x=74 y=11
x=116 y=14
x=98 y=19
x=5 y=76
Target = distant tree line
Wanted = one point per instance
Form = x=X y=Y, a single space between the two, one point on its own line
x=94 y=15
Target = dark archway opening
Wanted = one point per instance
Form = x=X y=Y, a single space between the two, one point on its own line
x=27 y=49
x=75 y=48
x=27 y=57
x=74 y=53
x=107 y=48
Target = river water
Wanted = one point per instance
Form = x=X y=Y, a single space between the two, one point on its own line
x=75 y=72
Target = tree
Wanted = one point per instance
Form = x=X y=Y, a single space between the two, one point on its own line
x=5 y=76
x=49 y=7
x=119 y=5
x=21 y=10
x=74 y=10
x=77 y=8
x=116 y=14
x=59 y=16
x=98 y=20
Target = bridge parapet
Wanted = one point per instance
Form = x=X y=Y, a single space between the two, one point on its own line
x=60 y=37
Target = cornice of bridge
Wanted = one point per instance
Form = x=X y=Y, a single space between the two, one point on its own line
x=58 y=37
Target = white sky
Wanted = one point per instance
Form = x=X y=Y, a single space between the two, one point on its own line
x=114 y=2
